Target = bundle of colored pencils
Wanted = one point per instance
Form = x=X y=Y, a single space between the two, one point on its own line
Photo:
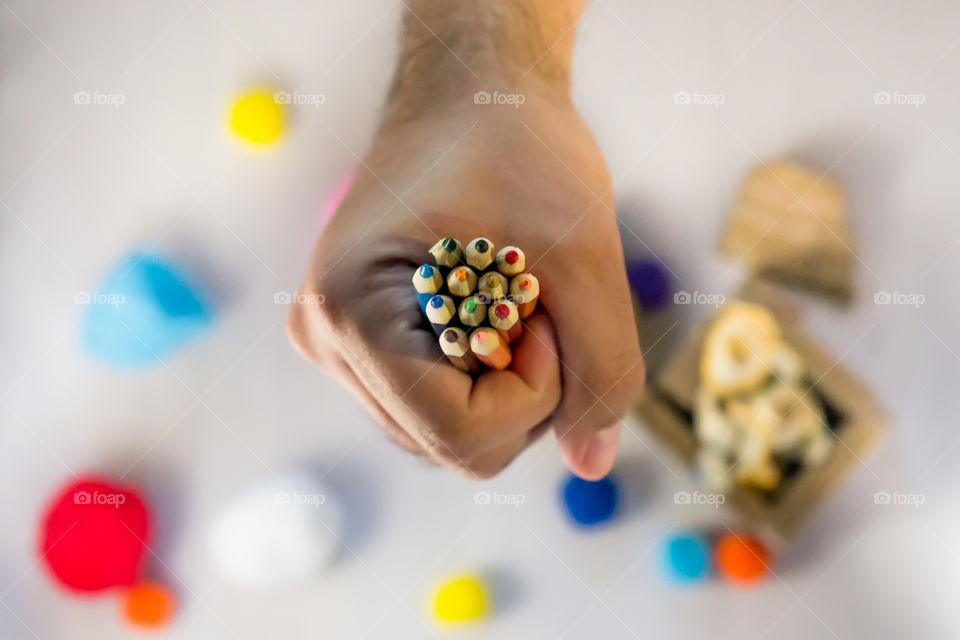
x=476 y=300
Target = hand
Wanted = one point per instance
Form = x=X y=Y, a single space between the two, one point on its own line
x=529 y=175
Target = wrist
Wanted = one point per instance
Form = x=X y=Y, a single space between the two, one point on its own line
x=452 y=49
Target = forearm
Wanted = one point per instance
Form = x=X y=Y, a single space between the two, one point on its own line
x=452 y=48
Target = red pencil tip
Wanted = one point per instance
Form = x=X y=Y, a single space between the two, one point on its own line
x=511 y=257
x=502 y=311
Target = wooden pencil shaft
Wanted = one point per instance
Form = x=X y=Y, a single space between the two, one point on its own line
x=462 y=281
x=490 y=348
x=479 y=253
x=440 y=311
x=511 y=261
x=492 y=286
x=456 y=346
x=427 y=279
x=525 y=291
x=447 y=252
x=472 y=312
x=505 y=318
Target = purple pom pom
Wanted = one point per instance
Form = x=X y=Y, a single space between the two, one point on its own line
x=649 y=283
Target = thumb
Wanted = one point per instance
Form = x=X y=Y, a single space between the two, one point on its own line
x=588 y=454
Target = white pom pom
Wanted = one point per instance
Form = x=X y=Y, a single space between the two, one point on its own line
x=279 y=532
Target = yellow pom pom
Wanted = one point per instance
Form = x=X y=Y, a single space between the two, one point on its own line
x=257 y=117
x=460 y=599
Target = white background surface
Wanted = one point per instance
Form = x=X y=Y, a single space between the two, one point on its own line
x=82 y=184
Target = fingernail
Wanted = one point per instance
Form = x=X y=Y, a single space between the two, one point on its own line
x=602 y=450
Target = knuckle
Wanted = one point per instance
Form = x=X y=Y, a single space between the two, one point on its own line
x=453 y=443
x=301 y=335
x=482 y=472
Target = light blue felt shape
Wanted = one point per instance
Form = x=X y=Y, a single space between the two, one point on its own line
x=687 y=557
x=143 y=310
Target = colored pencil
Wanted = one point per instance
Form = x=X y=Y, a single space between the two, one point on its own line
x=506 y=320
x=462 y=281
x=479 y=254
x=447 y=253
x=492 y=286
x=456 y=346
x=472 y=312
x=525 y=291
x=440 y=311
x=427 y=281
x=511 y=261
x=490 y=348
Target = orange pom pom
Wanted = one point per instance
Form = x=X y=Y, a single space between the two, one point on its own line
x=148 y=605
x=742 y=559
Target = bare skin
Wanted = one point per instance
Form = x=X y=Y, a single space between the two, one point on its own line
x=532 y=176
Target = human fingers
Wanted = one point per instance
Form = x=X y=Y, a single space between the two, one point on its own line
x=602 y=366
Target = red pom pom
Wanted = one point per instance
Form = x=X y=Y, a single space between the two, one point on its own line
x=94 y=535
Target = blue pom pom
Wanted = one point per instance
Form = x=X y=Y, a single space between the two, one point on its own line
x=590 y=503
x=649 y=283
x=686 y=557
x=143 y=310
